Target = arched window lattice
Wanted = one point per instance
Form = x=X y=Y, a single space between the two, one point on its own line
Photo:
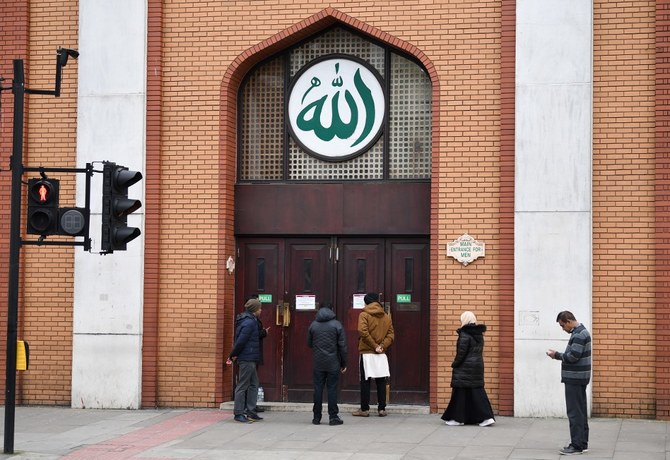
x=403 y=152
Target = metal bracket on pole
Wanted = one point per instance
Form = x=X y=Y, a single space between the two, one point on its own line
x=89 y=174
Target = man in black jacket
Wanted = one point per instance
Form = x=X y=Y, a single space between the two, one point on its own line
x=246 y=353
x=328 y=342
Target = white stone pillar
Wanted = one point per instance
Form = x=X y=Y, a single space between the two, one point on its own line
x=108 y=299
x=552 y=210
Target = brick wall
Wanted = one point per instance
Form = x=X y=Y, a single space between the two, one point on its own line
x=199 y=51
x=662 y=324
x=152 y=206
x=14 y=24
x=623 y=209
x=505 y=346
x=200 y=44
x=45 y=314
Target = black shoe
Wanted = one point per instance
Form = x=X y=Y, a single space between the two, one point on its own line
x=584 y=450
x=570 y=450
x=241 y=418
x=254 y=418
x=316 y=421
x=335 y=421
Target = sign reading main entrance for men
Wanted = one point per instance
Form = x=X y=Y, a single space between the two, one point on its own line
x=466 y=249
x=336 y=107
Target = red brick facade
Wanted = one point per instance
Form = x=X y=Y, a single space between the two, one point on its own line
x=198 y=54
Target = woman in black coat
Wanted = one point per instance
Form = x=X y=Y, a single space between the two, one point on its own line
x=469 y=403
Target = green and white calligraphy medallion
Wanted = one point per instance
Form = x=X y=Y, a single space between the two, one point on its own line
x=336 y=107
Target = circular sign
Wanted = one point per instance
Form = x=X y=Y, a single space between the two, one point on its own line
x=72 y=221
x=336 y=107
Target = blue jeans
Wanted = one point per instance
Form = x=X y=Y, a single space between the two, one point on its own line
x=246 y=391
x=330 y=379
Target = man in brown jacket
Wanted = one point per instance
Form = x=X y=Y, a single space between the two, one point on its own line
x=375 y=332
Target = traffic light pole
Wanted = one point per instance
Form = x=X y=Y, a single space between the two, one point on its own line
x=16 y=164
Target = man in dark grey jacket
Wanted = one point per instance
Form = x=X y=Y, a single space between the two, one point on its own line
x=328 y=342
x=576 y=375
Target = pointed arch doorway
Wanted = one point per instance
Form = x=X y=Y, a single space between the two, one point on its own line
x=329 y=225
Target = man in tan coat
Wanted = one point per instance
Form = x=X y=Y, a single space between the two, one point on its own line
x=375 y=332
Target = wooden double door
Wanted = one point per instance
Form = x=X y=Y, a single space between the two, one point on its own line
x=293 y=276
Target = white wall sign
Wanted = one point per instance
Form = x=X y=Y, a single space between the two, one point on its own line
x=359 y=301
x=466 y=249
x=305 y=302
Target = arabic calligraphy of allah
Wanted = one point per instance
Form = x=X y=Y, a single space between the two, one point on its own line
x=336 y=107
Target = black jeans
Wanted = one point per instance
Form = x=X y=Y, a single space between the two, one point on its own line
x=575 y=403
x=330 y=380
x=365 y=389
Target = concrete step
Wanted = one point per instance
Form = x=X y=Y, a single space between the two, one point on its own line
x=344 y=408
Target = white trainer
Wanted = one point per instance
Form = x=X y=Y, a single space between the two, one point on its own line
x=487 y=422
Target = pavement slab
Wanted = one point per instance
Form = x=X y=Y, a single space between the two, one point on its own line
x=48 y=433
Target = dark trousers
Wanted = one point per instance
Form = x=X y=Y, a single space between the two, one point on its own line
x=329 y=379
x=365 y=390
x=575 y=403
x=246 y=391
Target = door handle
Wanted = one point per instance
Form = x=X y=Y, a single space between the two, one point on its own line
x=287 y=314
x=278 y=312
x=283 y=314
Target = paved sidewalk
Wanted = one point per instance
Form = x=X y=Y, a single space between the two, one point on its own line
x=52 y=432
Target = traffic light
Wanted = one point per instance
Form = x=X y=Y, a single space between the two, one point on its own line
x=116 y=206
x=43 y=206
